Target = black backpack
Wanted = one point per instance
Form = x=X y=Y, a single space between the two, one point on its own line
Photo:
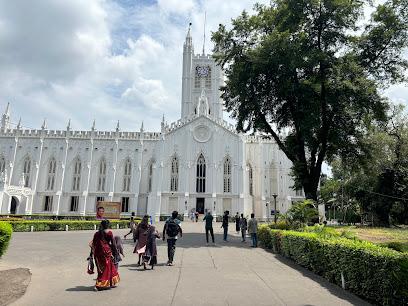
x=172 y=228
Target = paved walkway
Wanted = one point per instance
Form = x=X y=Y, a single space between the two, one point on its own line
x=229 y=273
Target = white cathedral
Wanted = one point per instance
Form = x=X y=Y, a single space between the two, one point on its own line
x=197 y=163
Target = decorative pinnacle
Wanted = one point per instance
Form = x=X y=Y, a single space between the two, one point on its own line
x=141 y=128
x=7 y=112
x=69 y=125
x=117 y=127
x=19 y=124
x=44 y=125
x=93 y=125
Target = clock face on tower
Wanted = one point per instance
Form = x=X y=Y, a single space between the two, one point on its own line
x=202 y=71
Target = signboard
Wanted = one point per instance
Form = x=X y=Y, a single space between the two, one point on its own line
x=108 y=210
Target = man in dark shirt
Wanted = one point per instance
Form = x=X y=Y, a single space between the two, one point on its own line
x=208 y=226
x=225 y=224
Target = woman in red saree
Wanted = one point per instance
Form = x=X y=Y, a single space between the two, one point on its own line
x=102 y=246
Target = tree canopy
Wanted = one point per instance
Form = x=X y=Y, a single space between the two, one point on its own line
x=310 y=75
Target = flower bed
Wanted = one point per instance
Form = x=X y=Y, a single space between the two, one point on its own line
x=378 y=274
x=5 y=236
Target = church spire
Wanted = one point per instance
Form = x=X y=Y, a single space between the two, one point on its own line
x=44 y=125
x=5 y=119
x=205 y=21
x=69 y=125
x=7 y=112
x=189 y=39
x=141 y=128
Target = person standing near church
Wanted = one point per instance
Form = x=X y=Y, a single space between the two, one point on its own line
x=171 y=230
x=225 y=224
x=253 y=230
x=243 y=225
x=237 y=228
x=209 y=226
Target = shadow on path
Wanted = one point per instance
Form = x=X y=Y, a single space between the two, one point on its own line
x=81 y=288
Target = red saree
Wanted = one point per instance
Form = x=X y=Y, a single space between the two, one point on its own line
x=108 y=276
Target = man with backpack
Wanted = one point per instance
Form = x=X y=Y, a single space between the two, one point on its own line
x=171 y=230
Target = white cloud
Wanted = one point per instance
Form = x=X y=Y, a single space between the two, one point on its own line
x=101 y=59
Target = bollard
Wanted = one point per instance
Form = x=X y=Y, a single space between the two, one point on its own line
x=95 y=227
x=343 y=281
x=66 y=228
x=117 y=226
x=32 y=228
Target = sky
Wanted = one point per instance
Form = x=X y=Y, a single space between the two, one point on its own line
x=106 y=60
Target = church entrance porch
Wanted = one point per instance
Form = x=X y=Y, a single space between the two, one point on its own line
x=13 y=206
x=200 y=205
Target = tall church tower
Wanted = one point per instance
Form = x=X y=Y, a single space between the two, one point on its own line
x=201 y=79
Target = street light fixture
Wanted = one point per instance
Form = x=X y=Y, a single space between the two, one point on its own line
x=274 y=212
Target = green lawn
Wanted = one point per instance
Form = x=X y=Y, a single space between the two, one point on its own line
x=396 y=238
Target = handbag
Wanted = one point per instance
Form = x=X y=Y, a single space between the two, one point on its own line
x=91 y=264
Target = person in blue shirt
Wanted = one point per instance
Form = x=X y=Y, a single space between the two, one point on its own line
x=171 y=231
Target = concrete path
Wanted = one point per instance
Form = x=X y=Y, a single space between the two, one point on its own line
x=229 y=273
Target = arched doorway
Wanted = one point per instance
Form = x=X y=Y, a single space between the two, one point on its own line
x=13 y=206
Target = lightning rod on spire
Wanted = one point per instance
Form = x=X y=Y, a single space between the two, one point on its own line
x=205 y=21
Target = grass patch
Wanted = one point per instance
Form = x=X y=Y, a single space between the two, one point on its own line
x=395 y=238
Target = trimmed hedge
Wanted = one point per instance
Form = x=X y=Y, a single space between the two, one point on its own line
x=5 y=236
x=378 y=274
x=51 y=225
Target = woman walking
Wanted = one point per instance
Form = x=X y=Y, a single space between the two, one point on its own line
x=104 y=249
x=237 y=222
x=146 y=235
x=150 y=255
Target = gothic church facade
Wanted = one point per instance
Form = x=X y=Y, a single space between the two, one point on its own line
x=196 y=163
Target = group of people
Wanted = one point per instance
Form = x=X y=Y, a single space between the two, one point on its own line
x=241 y=224
x=107 y=250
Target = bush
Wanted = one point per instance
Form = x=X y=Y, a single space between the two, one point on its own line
x=5 y=236
x=377 y=274
x=282 y=225
x=52 y=225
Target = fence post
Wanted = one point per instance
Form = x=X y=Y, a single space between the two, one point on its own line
x=32 y=228
x=343 y=281
x=66 y=227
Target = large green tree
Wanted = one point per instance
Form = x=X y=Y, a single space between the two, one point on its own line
x=309 y=74
x=378 y=181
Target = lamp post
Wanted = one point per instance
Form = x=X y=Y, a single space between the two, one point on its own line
x=274 y=212
x=267 y=211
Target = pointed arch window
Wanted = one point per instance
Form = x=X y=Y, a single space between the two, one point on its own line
x=201 y=174
x=102 y=175
x=2 y=164
x=27 y=171
x=52 y=167
x=174 y=174
x=76 y=183
x=150 y=177
x=250 y=180
x=227 y=174
x=127 y=175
